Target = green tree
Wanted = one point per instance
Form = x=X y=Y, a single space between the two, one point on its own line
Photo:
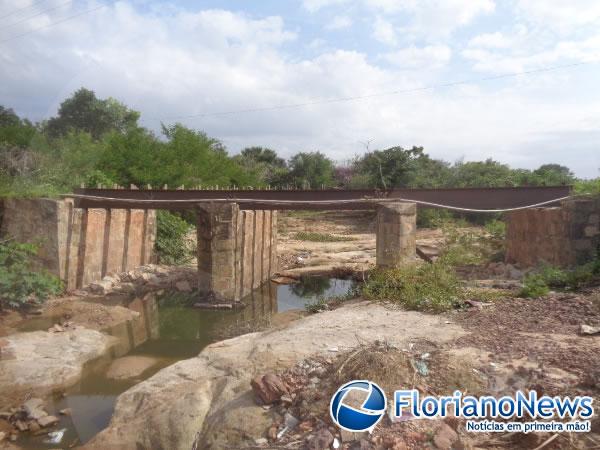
x=311 y=170
x=488 y=173
x=267 y=166
x=14 y=131
x=554 y=175
x=393 y=167
x=84 y=111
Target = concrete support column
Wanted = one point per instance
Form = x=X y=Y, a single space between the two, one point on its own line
x=217 y=243
x=396 y=228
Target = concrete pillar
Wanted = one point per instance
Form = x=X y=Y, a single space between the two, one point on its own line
x=217 y=234
x=396 y=227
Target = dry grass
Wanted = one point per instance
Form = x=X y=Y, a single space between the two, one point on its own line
x=393 y=368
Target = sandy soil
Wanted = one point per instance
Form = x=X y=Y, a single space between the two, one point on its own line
x=298 y=257
x=92 y=312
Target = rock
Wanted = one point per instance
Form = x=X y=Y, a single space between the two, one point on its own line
x=149 y=414
x=183 y=286
x=284 y=280
x=48 y=421
x=57 y=328
x=154 y=281
x=127 y=287
x=261 y=441
x=101 y=287
x=37 y=414
x=268 y=388
x=130 y=367
x=321 y=440
x=290 y=421
x=34 y=426
x=33 y=404
x=445 y=437
x=2 y=436
x=231 y=427
x=21 y=426
x=49 y=361
x=110 y=279
x=588 y=330
x=66 y=412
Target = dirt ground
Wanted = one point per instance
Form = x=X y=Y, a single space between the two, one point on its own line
x=93 y=312
x=297 y=257
x=512 y=343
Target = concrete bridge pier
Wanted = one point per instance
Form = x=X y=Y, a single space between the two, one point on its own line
x=396 y=234
x=236 y=249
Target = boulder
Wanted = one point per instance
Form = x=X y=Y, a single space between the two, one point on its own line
x=130 y=367
x=188 y=399
x=47 y=421
x=101 y=287
x=44 y=362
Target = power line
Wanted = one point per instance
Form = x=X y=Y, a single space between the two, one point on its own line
x=35 y=15
x=66 y=19
x=380 y=94
x=22 y=9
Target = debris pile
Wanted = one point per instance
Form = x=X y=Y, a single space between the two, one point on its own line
x=150 y=277
x=298 y=399
x=30 y=417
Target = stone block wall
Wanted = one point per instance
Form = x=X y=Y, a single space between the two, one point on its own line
x=237 y=250
x=562 y=236
x=81 y=245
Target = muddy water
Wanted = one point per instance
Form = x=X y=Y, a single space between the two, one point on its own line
x=167 y=331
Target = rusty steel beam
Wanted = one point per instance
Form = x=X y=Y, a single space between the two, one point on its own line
x=476 y=198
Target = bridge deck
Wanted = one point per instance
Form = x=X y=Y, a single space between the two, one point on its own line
x=478 y=198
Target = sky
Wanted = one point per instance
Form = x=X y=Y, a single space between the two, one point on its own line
x=513 y=80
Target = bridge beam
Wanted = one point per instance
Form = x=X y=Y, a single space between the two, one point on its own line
x=396 y=228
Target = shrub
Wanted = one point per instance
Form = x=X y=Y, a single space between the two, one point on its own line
x=470 y=246
x=428 y=287
x=20 y=285
x=534 y=285
x=496 y=228
x=172 y=246
x=320 y=237
x=432 y=217
x=538 y=284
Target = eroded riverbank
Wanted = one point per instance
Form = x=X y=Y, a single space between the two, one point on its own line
x=136 y=337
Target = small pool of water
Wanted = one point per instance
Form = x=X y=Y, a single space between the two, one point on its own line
x=167 y=330
x=310 y=289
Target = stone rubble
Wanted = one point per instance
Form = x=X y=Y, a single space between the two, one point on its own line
x=30 y=417
x=150 y=277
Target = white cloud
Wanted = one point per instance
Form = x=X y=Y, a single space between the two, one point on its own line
x=172 y=64
x=384 y=31
x=434 y=18
x=316 y=5
x=428 y=57
x=339 y=23
x=563 y=16
x=491 y=40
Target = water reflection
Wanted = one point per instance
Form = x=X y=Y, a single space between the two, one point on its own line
x=168 y=330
